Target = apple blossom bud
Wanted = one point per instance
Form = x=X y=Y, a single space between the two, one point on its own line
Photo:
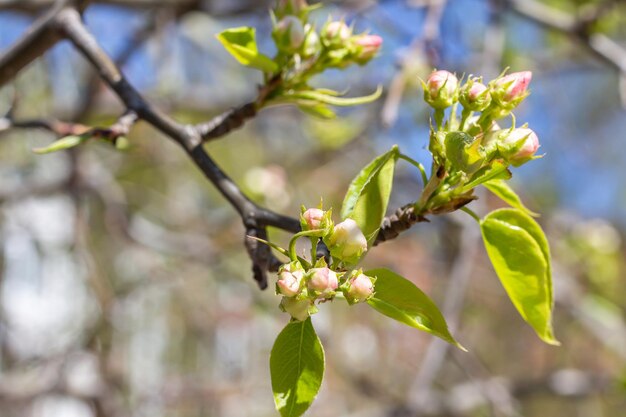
x=368 y=46
x=525 y=142
x=511 y=89
x=475 y=96
x=347 y=242
x=336 y=32
x=289 y=32
x=517 y=146
x=441 y=89
x=289 y=280
x=322 y=280
x=360 y=288
x=313 y=218
x=312 y=44
x=298 y=309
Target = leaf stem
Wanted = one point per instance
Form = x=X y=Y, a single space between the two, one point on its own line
x=418 y=165
x=471 y=213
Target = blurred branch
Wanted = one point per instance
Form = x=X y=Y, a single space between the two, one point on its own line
x=578 y=29
x=423 y=48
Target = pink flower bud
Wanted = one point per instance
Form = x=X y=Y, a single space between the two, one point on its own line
x=288 y=283
x=336 y=31
x=441 y=89
x=347 y=242
x=313 y=218
x=475 y=96
x=517 y=146
x=323 y=280
x=512 y=88
x=298 y=309
x=360 y=288
x=290 y=28
x=529 y=146
x=369 y=45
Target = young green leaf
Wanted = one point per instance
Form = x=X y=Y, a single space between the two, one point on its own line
x=502 y=190
x=519 y=252
x=323 y=96
x=241 y=43
x=66 y=142
x=398 y=298
x=463 y=151
x=368 y=195
x=296 y=367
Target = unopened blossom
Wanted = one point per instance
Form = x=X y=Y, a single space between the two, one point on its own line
x=441 y=89
x=289 y=280
x=517 y=146
x=313 y=218
x=322 y=280
x=511 y=89
x=360 y=288
x=369 y=45
x=529 y=146
x=475 y=96
x=347 y=241
x=290 y=30
x=298 y=309
x=336 y=31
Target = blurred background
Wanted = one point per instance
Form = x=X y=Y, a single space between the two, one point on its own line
x=125 y=289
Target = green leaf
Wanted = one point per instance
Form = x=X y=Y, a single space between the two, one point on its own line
x=368 y=195
x=296 y=367
x=241 y=43
x=322 y=96
x=463 y=151
x=63 y=143
x=400 y=299
x=520 y=254
x=502 y=190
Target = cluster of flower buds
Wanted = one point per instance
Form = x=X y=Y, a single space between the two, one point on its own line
x=302 y=284
x=485 y=141
x=335 y=44
x=442 y=89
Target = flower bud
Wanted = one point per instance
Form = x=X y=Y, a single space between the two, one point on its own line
x=360 y=288
x=312 y=44
x=475 y=96
x=336 y=32
x=289 y=279
x=313 y=218
x=517 y=146
x=347 y=242
x=289 y=32
x=441 y=89
x=322 y=280
x=298 y=309
x=525 y=143
x=511 y=89
x=367 y=47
